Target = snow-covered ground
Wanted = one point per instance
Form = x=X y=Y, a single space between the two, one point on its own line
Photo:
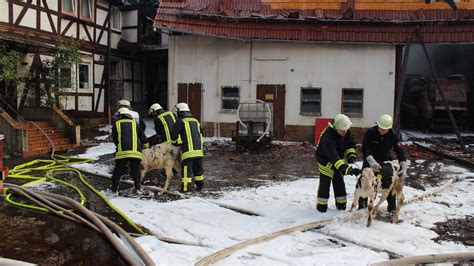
x=284 y=205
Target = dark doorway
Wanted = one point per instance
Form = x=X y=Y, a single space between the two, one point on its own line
x=156 y=77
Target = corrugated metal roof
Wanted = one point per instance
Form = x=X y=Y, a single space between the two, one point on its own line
x=252 y=19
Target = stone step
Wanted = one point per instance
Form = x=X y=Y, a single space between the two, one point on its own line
x=46 y=151
x=41 y=124
x=46 y=144
x=47 y=130
x=41 y=137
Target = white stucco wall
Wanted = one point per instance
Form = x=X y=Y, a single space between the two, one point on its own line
x=217 y=62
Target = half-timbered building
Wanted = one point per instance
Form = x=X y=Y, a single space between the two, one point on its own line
x=113 y=36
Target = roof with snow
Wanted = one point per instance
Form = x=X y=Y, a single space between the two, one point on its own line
x=321 y=20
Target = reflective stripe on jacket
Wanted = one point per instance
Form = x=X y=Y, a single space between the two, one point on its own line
x=190 y=131
x=332 y=149
x=163 y=125
x=128 y=139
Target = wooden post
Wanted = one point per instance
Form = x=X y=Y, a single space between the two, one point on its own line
x=401 y=86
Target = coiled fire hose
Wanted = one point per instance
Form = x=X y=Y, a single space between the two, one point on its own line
x=56 y=203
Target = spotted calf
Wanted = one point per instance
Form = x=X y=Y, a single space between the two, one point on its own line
x=161 y=156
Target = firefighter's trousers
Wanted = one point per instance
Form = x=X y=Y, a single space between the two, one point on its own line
x=120 y=169
x=192 y=167
x=339 y=188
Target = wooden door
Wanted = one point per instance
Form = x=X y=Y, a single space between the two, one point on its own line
x=191 y=93
x=275 y=94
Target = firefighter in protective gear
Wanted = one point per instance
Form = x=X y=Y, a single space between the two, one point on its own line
x=164 y=122
x=334 y=144
x=190 y=131
x=135 y=115
x=129 y=140
x=377 y=145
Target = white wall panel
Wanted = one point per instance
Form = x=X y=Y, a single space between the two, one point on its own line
x=99 y=69
x=85 y=103
x=101 y=100
x=3 y=11
x=332 y=67
x=69 y=102
x=45 y=24
x=52 y=4
x=29 y=20
x=130 y=18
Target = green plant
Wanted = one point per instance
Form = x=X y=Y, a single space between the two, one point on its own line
x=9 y=61
x=58 y=71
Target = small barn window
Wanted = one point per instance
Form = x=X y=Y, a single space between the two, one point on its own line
x=230 y=98
x=353 y=102
x=116 y=19
x=69 y=6
x=310 y=101
x=84 y=76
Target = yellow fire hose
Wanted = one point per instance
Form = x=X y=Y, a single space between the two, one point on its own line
x=23 y=172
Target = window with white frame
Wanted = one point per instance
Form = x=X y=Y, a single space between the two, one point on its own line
x=84 y=76
x=86 y=8
x=353 y=102
x=116 y=19
x=230 y=98
x=310 y=101
x=69 y=6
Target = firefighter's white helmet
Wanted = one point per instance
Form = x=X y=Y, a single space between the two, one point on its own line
x=124 y=103
x=385 y=121
x=124 y=111
x=182 y=107
x=342 y=122
x=154 y=107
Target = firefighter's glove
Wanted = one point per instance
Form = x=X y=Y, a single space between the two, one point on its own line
x=351 y=160
x=402 y=173
x=354 y=171
x=373 y=163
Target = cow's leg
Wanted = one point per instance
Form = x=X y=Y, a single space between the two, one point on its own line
x=400 y=199
x=370 y=206
x=383 y=197
x=178 y=167
x=169 y=176
x=143 y=171
x=355 y=200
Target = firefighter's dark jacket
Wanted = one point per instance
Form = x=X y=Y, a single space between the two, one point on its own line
x=164 y=123
x=129 y=139
x=189 y=129
x=380 y=146
x=331 y=150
